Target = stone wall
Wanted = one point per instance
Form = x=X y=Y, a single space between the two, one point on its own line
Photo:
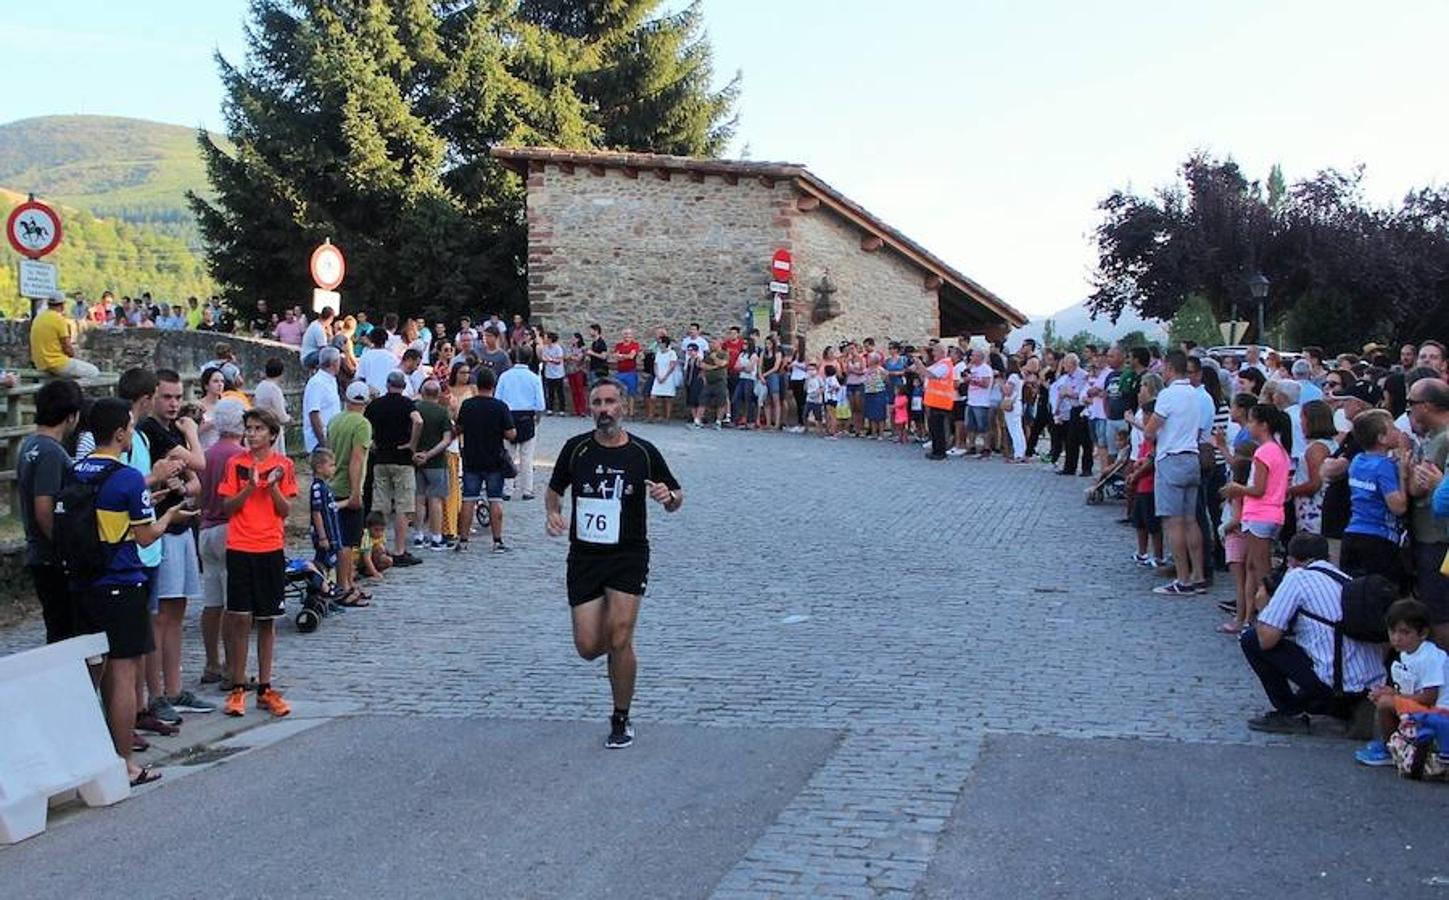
x=881 y=294
x=184 y=351
x=644 y=252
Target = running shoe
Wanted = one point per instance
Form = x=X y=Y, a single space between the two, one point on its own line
x=190 y=703
x=437 y=545
x=162 y=709
x=621 y=733
x=419 y=540
x=211 y=677
x=236 y=702
x=500 y=547
x=406 y=559
x=955 y=451
x=1275 y=722
x=1141 y=559
x=1374 y=753
x=272 y=702
x=528 y=496
x=1176 y=588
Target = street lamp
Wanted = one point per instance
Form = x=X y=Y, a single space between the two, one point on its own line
x=1258 y=286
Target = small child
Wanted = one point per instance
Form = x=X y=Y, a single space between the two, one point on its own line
x=918 y=404
x=833 y=398
x=1417 y=677
x=900 y=413
x=325 y=527
x=814 y=397
x=1235 y=545
x=1266 y=491
x=1377 y=499
x=1141 y=479
x=374 y=555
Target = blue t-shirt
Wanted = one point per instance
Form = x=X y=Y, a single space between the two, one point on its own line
x=121 y=503
x=1371 y=478
x=139 y=459
x=322 y=500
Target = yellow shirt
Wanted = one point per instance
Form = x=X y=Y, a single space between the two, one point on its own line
x=47 y=341
x=193 y=318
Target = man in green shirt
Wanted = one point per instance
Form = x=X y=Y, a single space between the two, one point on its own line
x=431 y=465
x=349 y=434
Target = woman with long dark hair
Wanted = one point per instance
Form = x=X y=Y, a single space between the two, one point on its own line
x=574 y=374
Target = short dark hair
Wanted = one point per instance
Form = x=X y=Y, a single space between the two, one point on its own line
x=264 y=416
x=1308 y=547
x=273 y=366
x=1410 y=612
x=486 y=378
x=412 y=353
x=57 y=401
x=1176 y=360
x=519 y=355
x=378 y=337
x=597 y=327
x=169 y=376
x=375 y=519
x=135 y=384
x=1142 y=356
x=1419 y=373
x=107 y=416
x=1370 y=425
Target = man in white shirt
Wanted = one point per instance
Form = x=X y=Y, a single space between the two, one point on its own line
x=317 y=335
x=694 y=339
x=320 y=401
x=521 y=390
x=1289 y=649
x=412 y=366
x=1176 y=426
x=978 y=377
x=376 y=362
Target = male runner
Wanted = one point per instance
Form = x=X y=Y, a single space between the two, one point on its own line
x=609 y=471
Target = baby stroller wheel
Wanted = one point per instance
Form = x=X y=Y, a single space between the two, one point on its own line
x=308 y=620
x=482 y=515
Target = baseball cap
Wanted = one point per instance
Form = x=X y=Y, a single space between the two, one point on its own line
x=1366 y=391
x=357 y=392
x=56 y=298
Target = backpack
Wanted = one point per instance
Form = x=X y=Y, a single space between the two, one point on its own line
x=80 y=552
x=1364 y=602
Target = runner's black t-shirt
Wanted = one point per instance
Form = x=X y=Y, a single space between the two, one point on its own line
x=597 y=474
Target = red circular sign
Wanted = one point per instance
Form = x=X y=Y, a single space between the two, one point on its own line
x=33 y=229
x=328 y=267
x=780 y=265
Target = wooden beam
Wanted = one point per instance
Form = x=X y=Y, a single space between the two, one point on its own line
x=566 y=167
x=595 y=169
x=661 y=173
x=932 y=283
x=630 y=172
x=806 y=204
x=871 y=243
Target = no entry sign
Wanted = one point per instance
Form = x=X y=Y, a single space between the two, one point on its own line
x=33 y=229
x=780 y=266
x=328 y=266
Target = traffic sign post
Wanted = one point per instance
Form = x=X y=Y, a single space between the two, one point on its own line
x=33 y=229
x=38 y=280
x=328 y=266
x=780 y=268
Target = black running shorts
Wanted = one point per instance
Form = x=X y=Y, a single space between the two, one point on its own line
x=122 y=612
x=589 y=574
x=255 y=583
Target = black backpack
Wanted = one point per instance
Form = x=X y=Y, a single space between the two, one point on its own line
x=79 y=550
x=1365 y=602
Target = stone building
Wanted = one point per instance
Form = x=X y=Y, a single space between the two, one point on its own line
x=629 y=239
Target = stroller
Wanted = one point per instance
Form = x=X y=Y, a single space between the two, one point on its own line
x=1111 y=484
x=309 y=590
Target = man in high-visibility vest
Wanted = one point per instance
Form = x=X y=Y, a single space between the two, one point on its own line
x=940 y=381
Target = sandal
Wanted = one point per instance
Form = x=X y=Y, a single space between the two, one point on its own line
x=145 y=776
x=354 y=599
x=139 y=744
x=1229 y=628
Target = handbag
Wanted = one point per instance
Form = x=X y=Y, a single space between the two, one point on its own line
x=505 y=464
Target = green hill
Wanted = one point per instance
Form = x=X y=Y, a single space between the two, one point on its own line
x=128 y=169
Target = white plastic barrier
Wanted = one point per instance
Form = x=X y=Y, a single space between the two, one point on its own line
x=53 y=736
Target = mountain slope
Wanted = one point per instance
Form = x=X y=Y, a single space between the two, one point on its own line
x=129 y=169
x=1073 y=319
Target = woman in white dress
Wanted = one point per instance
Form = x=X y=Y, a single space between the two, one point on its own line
x=666 y=378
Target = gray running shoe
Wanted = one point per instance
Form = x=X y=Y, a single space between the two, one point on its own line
x=162 y=709
x=190 y=703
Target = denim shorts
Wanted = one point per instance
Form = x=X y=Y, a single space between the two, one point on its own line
x=776 y=384
x=1265 y=530
x=978 y=418
x=475 y=484
x=1099 y=432
x=1175 y=486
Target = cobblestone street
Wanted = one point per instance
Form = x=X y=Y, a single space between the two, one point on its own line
x=911 y=607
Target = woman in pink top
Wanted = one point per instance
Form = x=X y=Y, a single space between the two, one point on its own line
x=1264 y=496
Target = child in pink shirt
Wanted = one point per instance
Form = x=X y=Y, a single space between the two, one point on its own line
x=1264 y=496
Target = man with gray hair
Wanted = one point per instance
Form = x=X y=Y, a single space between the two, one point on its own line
x=521 y=390
x=320 y=399
x=1286 y=396
x=397 y=428
x=211 y=542
x=1303 y=375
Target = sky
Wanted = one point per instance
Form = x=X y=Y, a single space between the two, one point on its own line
x=987 y=131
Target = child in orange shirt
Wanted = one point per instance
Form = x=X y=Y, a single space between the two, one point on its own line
x=257 y=490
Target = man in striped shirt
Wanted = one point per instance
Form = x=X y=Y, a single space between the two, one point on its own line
x=1292 y=655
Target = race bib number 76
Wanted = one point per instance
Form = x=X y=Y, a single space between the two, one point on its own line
x=596 y=521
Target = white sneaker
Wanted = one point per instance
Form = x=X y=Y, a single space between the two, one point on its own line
x=955 y=451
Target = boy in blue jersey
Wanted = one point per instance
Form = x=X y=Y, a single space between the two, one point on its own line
x=116 y=601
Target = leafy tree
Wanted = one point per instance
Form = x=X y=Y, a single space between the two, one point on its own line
x=1195 y=322
x=1137 y=338
x=1049 y=334
x=370 y=122
x=1079 y=341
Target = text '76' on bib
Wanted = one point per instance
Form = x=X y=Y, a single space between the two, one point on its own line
x=596 y=520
